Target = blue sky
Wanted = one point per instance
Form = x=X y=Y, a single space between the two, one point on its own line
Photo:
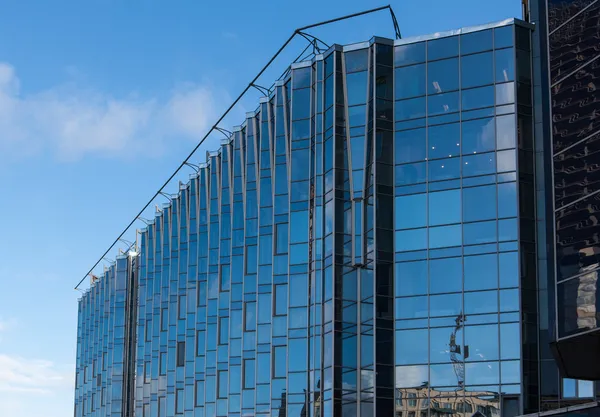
x=99 y=102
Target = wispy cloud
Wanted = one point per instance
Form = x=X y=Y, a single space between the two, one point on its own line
x=22 y=375
x=72 y=120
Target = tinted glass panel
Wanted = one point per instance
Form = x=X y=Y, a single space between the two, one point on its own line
x=442 y=76
x=477 y=70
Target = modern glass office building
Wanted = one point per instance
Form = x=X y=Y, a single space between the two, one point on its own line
x=364 y=244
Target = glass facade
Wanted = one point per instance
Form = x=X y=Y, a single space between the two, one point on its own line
x=363 y=244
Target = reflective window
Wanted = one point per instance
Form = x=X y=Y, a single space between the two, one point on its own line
x=481 y=302
x=411 y=211
x=442 y=48
x=409 y=54
x=298 y=290
x=482 y=373
x=505 y=65
x=442 y=76
x=505 y=94
x=503 y=37
x=301 y=104
x=480 y=232
x=249 y=373
x=481 y=272
x=411 y=173
x=506 y=131
x=444 y=169
x=443 y=236
x=478 y=136
x=445 y=305
x=476 y=98
x=509 y=269
x=479 y=203
x=477 y=70
x=411 y=307
x=444 y=141
x=442 y=376
x=411 y=347
x=507 y=161
x=411 y=278
x=357 y=60
x=297 y=355
x=483 y=342
x=279 y=361
x=357 y=88
x=480 y=164
x=410 y=81
x=510 y=341
x=476 y=42
x=445 y=275
x=442 y=103
x=410 y=145
x=509 y=300
x=444 y=207
x=507 y=199
x=410 y=109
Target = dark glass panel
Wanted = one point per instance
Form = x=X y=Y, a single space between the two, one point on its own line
x=574 y=44
x=411 y=173
x=357 y=60
x=442 y=104
x=476 y=42
x=576 y=171
x=445 y=275
x=444 y=207
x=410 y=109
x=578 y=304
x=410 y=145
x=411 y=211
x=503 y=37
x=443 y=141
x=478 y=136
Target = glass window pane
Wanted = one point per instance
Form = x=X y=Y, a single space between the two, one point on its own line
x=411 y=347
x=442 y=104
x=411 y=211
x=507 y=199
x=444 y=236
x=511 y=372
x=477 y=70
x=411 y=173
x=505 y=94
x=445 y=305
x=510 y=341
x=301 y=77
x=481 y=272
x=410 y=145
x=444 y=141
x=505 y=65
x=507 y=230
x=408 y=240
x=297 y=354
x=410 y=109
x=478 y=136
x=503 y=37
x=410 y=81
x=480 y=232
x=442 y=48
x=301 y=104
x=299 y=226
x=298 y=290
x=482 y=342
x=476 y=42
x=445 y=275
x=481 y=302
x=507 y=161
x=411 y=307
x=506 y=128
x=442 y=76
x=444 y=169
x=279 y=361
x=509 y=300
x=480 y=373
x=357 y=60
x=480 y=164
x=509 y=269
x=439 y=341
x=476 y=98
x=444 y=207
x=409 y=54
x=357 y=88
x=411 y=278
x=479 y=203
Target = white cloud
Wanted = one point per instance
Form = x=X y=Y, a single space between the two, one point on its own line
x=21 y=375
x=72 y=121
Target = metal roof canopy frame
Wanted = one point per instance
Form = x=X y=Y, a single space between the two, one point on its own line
x=215 y=127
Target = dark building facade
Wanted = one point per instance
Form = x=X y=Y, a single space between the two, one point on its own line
x=371 y=241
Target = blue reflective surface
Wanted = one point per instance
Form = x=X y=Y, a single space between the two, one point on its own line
x=358 y=232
